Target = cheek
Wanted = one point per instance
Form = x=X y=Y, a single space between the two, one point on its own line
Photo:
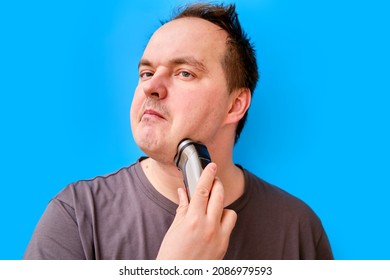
x=197 y=122
x=136 y=105
x=214 y=114
x=133 y=109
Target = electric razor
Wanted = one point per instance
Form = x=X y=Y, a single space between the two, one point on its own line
x=191 y=158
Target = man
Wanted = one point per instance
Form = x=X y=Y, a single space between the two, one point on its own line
x=197 y=75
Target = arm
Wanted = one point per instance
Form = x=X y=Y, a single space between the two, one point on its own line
x=201 y=228
x=56 y=235
x=323 y=249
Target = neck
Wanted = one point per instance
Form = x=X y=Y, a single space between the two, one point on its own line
x=231 y=176
x=166 y=178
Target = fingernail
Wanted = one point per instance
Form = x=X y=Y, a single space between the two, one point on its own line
x=213 y=167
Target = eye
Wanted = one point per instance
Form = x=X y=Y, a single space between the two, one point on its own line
x=185 y=74
x=146 y=74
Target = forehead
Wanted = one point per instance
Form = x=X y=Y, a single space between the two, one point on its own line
x=187 y=37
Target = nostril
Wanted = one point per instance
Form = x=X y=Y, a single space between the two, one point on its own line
x=155 y=94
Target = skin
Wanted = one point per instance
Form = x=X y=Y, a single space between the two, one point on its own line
x=182 y=93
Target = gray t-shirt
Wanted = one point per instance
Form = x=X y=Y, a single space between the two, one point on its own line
x=122 y=216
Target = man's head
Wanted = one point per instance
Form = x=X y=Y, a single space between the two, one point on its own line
x=189 y=85
x=239 y=62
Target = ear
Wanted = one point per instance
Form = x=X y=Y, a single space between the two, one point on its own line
x=239 y=104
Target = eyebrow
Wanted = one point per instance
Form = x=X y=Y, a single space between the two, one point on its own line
x=144 y=62
x=189 y=60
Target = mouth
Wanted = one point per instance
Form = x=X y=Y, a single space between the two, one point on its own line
x=152 y=113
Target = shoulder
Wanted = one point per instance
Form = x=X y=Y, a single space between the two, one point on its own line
x=269 y=191
x=105 y=186
x=278 y=201
x=279 y=221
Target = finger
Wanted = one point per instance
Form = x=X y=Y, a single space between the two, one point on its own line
x=228 y=221
x=216 y=202
x=183 y=202
x=201 y=194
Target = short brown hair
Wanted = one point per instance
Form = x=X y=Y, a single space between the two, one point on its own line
x=239 y=62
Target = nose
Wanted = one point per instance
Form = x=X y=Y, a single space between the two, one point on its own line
x=156 y=86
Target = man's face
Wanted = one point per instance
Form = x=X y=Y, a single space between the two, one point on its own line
x=182 y=90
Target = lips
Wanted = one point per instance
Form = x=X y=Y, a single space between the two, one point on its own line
x=152 y=113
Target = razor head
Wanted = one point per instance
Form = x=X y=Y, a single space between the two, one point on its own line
x=191 y=158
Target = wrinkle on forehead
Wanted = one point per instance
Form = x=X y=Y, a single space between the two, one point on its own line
x=202 y=26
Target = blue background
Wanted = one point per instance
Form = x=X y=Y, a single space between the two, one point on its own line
x=318 y=126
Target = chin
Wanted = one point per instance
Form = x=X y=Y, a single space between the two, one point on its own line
x=162 y=153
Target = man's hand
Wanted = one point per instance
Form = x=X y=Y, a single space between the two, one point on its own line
x=201 y=229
